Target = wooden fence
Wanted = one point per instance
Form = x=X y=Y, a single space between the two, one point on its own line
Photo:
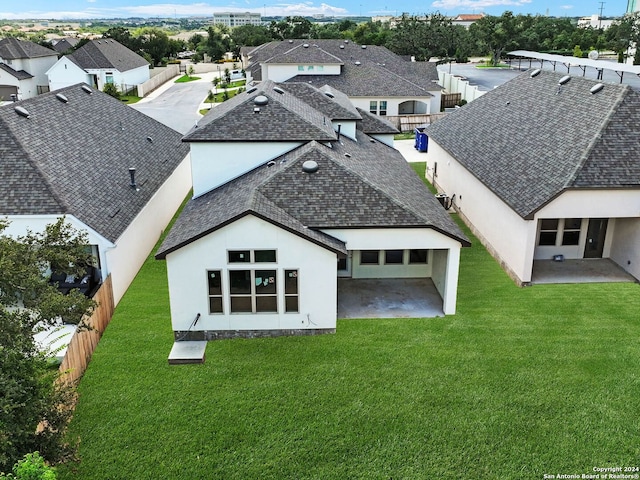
x=450 y=100
x=408 y=123
x=84 y=341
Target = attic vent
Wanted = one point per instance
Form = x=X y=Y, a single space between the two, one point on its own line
x=87 y=89
x=290 y=41
x=348 y=155
x=261 y=100
x=329 y=94
x=271 y=163
x=62 y=98
x=372 y=140
x=23 y=112
x=278 y=90
x=305 y=45
x=149 y=139
x=357 y=63
x=346 y=41
x=596 y=88
x=342 y=47
x=132 y=176
x=535 y=73
x=310 y=166
x=564 y=80
x=252 y=89
x=256 y=109
x=364 y=47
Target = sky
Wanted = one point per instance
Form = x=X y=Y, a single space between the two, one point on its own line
x=76 y=9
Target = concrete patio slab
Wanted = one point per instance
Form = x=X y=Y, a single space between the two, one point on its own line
x=587 y=270
x=388 y=298
x=183 y=353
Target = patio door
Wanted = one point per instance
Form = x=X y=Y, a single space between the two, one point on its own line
x=596 y=234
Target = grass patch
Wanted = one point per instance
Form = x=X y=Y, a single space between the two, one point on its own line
x=130 y=99
x=219 y=97
x=186 y=78
x=520 y=382
x=489 y=65
x=404 y=136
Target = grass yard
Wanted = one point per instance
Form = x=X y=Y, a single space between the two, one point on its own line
x=519 y=383
x=186 y=78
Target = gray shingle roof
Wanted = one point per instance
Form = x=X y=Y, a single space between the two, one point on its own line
x=19 y=74
x=107 y=53
x=530 y=139
x=305 y=52
x=13 y=49
x=371 y=187
x=336 y=107
x=65 y=44
x=82 y=169
x=284 y=118
x=372 y=124
x=380 y=71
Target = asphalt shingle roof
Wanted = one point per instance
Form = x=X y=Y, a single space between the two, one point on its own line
x=13 y=49
x=284 y=118
x=19 y=74
x=370 y=71
x=83 y=169
x=372 y=124
x=336 y=107
x=530 y=139
x=107 y=53
x=65 y=44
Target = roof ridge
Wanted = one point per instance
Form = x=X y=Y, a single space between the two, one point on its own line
x=596 y=138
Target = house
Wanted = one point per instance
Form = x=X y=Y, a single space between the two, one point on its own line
x=23 y=68
x=545 y=166
x=97 y=63
x=62 y=45
x=289 y=194
x=111 y=171
x=374 y=78
x=467 y=19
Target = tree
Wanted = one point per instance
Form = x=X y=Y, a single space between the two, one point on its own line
x=496 y=34
x=423 y=37
x=156 y=43
x=290 y=27
x=216 y=44
x=123 y=36
x=31 y=417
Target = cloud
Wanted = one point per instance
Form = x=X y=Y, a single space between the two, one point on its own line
x=566 y=7
x=180 y=10
x=477 y=4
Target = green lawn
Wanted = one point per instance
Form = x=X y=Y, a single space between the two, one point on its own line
x=186 y=78
x=519 y=383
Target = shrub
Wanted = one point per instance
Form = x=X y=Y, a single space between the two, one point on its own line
x=31 y=467
x=111 y=89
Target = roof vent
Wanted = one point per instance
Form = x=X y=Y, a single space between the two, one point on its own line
x=564 y=80
x=23 y=112
x=329 y=94
x=62 y=98
x=305 y=45
x=346 y=41
x=256 y=109
x=261 y=100
x=290 y=41
x=132 y=175
x=348 y=155
x=364 y=47
x=252 y=89
x=535 y=73
x=87 y=89
x=278 y=90
x=271 y=163
x=596 y=88
x=149 y=139
x=310 y=166
x=357 y=63
x=342 y=47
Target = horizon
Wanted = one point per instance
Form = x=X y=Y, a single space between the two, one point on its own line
x=75 y=10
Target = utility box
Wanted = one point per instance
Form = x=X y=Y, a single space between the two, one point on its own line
x=443 y=198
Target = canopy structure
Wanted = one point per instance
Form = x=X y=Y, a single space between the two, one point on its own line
x=582 y=63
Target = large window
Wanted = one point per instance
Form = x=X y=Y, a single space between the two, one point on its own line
x=214 y=280
x=369 y=257
x=571 y=231
x=548 y=231
x=253 y=291
x=393 y=257
x=555 y=232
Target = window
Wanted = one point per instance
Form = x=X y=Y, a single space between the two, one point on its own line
x=253 y=291
x=301 y=68
x=373 y=107
x=214 y=278
x=392 y=257
x=108 y=77
x=548 y=231
x=252 y=256
x=320 y=68
x=571 y=232
x=291 y=291
x=420 y=255
x=383 y=107
x=369 y=257
x=310 y=67
x=342 y=263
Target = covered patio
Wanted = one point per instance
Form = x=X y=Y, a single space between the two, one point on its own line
x=388 y=298
x=586 y=270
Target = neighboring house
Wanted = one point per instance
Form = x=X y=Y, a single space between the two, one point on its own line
x=82 y=172
x=62 y=45
x=23 y=69
x=374 y=78
x=545 y=165
x=97 y=63
x=467 y=19
x=283 y=205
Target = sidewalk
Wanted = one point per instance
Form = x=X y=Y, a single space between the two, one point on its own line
x=406 y=148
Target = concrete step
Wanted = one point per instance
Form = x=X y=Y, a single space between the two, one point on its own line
x=183 y=353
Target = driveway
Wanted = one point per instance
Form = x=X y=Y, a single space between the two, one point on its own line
x=176 y=104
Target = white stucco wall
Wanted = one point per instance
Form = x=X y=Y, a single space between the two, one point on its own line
x=387 y=139
x=38 y=67
x=347 y=128
x=486 y=212
x=317 y=281
x=394 y=102
x=214 y=164
x=625 y=247
x=65 y=73
x=120 y=79
x=283 y=72
x=135 y=243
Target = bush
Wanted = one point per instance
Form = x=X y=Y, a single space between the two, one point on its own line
x=111 y=89
x=31 y=467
